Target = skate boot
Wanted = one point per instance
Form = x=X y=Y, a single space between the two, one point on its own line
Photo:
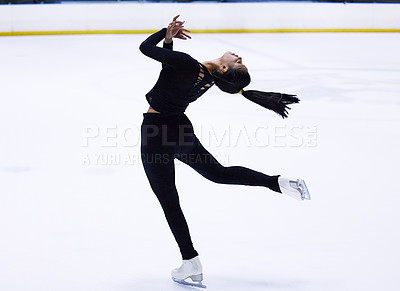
x=190 y=269
x=294 y=188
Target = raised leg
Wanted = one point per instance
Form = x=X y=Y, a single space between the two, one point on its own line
x=197 y=157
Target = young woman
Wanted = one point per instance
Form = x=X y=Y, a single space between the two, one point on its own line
x=167 y=132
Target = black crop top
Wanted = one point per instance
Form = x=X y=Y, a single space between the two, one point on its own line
x=182 y=79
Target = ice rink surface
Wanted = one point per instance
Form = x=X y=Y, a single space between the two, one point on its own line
x=76 y=209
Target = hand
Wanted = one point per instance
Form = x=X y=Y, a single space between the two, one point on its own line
x=176 y=30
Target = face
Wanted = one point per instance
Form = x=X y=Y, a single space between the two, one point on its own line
x=233 y=61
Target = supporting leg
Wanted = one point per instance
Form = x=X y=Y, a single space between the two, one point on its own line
x=161 y=176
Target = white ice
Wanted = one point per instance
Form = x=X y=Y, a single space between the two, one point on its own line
x=76 y=209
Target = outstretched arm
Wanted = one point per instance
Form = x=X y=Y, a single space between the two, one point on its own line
x=165 y=55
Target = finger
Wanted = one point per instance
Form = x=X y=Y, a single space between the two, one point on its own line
x=183 y=36
x=183 y=30
x=186 y=35
x=180 y=25
x=176 y=17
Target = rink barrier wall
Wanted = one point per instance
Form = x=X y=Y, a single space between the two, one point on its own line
x=77 y=32
x=133 y=18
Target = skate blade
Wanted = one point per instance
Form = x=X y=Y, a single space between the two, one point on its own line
x=183 y=282
x=305 y=195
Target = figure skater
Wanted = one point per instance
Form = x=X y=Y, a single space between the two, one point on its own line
x=167 y=133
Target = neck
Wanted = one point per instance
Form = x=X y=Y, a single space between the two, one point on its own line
x=211 y=65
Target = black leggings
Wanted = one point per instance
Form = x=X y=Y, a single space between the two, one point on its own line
x=166 y=137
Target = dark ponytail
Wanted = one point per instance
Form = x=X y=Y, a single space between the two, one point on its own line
x=234 y=80
x=276 y=102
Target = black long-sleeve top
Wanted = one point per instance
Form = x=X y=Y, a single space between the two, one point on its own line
x=182 y=79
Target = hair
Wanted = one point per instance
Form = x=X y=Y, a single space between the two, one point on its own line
x=234 y=80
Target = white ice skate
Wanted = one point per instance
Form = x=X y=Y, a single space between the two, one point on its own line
x=294 y=188
x=190 y=269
